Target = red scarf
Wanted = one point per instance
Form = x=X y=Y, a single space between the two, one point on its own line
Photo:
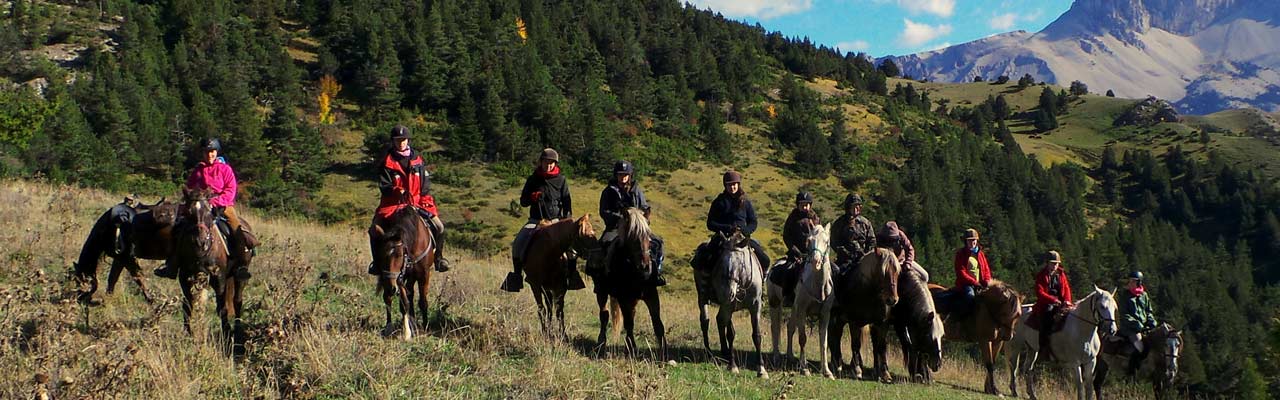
x=1138 y=291
x=542 y=172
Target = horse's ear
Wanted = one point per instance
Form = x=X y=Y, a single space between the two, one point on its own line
x=932 y=315
x=585 y=218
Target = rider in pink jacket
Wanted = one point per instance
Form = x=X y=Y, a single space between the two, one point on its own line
x=213 y=173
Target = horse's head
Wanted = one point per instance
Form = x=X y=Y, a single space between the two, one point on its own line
x=1103 y=306
x=634 y=235
x=585 y=240
x=933 y=349
x=388 y=249
x=732 y=241
x=1170 y=348
x=819 y=240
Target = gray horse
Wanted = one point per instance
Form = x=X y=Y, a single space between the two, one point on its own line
x=813 y=297
x=1076 y=346
x=735 y=283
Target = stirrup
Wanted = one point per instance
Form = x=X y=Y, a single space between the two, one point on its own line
x=441 y=265
x=166 y=271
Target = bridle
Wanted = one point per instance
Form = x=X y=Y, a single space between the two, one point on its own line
x=1099 y=319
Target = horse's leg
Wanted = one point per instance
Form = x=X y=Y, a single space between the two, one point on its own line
x=113 y=275
x=629 y=323
x=654 y=305
x=824 y=330
x=880 y=346
x=835 y=332
x=388 y=295
x=1100 y=378
x=410 y=296
x=756 y=338
x=135 y=272
x=724 y=322
x=798 y=323
x=1015 y=365
x=775 y=327
x=904 y=344
x=188 y=297
x=988 y=362
x=86 y=297
x=543 y=307
x=855 y=347
x=705 y=322
x=564 y=333
x=406 y=312
x=423 y=303
x=1086 y=378
x=602 y=301
x=1030 y=373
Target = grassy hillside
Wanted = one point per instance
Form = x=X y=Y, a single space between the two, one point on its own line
x=313 y=320
x=1240 y=135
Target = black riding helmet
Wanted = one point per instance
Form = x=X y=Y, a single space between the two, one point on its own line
x=623 y=167
x=852 y=199
x=399 y=132
x=210 y=144
x=804 y=197
x=1136 y=275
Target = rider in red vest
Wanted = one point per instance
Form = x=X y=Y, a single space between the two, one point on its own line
x=1053 y=293
x=404 y=181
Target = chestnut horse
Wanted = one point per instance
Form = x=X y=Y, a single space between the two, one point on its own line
x=546 y=263
x=404 y=252
x=991 y=323
x=200 y=250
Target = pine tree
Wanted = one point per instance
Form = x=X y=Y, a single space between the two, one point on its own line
x=719 y=145
x=889 y=68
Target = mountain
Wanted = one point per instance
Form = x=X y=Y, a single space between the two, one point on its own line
x=1204 y=55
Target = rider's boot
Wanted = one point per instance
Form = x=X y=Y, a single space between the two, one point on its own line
x=515 y=279
x=442 y=264
x=573 y=279
x=167 y=271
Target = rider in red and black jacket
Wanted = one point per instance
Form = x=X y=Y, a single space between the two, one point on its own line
x=404 y=181
x=1053 y=293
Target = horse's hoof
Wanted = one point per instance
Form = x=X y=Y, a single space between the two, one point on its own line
x=733 y=370
x=671 y=363
x=804 y=372
x=763 y=374
x=828 y=375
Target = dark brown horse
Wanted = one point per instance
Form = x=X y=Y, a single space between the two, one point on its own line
x=1163 y=345
x=996 y=311
x=200 y=250
x=920 y=330
x=125 y=233
x=865 y=295
x=404 y=253
x=546 y=263
x=626 y=279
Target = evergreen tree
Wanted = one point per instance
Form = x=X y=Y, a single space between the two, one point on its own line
x=889 y=68
x=719 y=145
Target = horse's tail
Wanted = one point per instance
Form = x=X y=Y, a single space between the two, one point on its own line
x=615 y=315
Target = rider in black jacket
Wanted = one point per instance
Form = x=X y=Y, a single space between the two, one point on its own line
x=622 y=193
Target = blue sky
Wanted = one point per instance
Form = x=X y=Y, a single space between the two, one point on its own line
x=897 y=27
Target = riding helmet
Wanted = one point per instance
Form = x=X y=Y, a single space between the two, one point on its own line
x=970 y=234
x=889 y=234
x=399 y=132
x=853 y=199
x=1053 y=256
x=623 y=167
x=804 y=197
x=732 y=177
x=550 y=154
x=211 y=144
x=1135 y=275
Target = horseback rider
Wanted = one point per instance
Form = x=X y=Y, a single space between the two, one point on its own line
x=622 y=193
x=972 y=272
x=546 y=193
x=1136 y=318
x=853 y=236
x=1053 y=294
x=730 y=211
x=212 y=173
x=404 y=181
x=894 y=238
x=795 y=235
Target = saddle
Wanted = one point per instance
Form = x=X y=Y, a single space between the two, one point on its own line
x=786 y=274
x=1059 y=320
x=1116 y=345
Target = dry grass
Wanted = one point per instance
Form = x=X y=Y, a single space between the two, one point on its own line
x=312 y=325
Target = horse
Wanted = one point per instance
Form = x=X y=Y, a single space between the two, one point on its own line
x=626 y=280
x=404 y=254
x=125 y=233
x=866 y=295
x=920 y=330
x=997 y=309
x=199 y=250
x=734 y=283
x=1164 y=346
x=545 y=264
x=1076 y=345
x=813 y=296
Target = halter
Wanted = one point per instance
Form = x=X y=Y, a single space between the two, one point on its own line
x=1097 y=316
x=406 y=263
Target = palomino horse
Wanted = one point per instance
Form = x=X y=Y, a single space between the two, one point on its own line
x=991 y=323
x=918 y=326
x=626 y=279
x=865 y=295
x=734 y=283
x=404 y=254
x=1163 y=345
x=201 y=250
x=1075 y=346
x=545 y=265
x=813 y=296
x=125 y=234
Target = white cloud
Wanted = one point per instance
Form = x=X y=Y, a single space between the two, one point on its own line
x=941 y=8
x=854 y=46
x=1003 y=22
x=916 y=34
x=762 y=9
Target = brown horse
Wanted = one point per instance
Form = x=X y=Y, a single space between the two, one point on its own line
x=546 y=263
x=404 y=252
x=626 y=279
x=200 y=250
x=990 y=325
x=865 y=295
x=125 y=233
x=920 y=330
x=1164 y=347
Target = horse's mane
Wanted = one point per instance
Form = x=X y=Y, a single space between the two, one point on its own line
x=403 y=224
x=635 y=227
x=1002 y=289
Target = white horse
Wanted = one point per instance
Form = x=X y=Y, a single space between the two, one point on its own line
x=737 y=283
x=813 y=297
x=1076 y=346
